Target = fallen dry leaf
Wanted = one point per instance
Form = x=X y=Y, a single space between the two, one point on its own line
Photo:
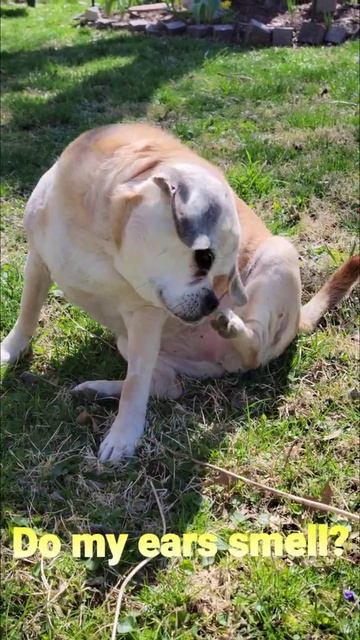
x=333 y=435
x=85 y=418
x=327 y=494
x=224 y=480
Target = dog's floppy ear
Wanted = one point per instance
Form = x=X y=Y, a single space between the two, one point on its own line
x=122 y=203
x=168 y=186
x=237 y=289
x=190 y=228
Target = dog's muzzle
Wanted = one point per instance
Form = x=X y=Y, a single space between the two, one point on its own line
x=209 y=303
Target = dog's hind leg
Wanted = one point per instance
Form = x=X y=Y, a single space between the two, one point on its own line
x=36 y=285
x=164 y=382
x=262 y=329
x=99 y=388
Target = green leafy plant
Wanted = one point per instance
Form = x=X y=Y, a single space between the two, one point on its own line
x=173 y=5
x=204 y=11
x=120 y=5
x=328 y=20
x=291 y=6
x=229 y=16
x=108 y=7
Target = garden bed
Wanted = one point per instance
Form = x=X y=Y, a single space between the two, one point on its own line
x=271 y=22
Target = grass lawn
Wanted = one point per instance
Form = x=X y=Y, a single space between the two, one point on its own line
x=282 y=124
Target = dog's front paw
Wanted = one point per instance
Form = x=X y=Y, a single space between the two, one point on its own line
x=13 y=347
x=6 y=355
x=118 y=445
x=226 y=323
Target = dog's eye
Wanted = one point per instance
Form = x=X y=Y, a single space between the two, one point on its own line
x=204 y=258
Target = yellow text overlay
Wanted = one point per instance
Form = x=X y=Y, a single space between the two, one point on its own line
x=318 y=540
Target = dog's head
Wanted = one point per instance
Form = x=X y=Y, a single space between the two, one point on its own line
x=181 y=241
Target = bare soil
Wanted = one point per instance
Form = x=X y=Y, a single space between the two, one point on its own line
x=346 y=14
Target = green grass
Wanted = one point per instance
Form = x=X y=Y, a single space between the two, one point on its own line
x=290 y=151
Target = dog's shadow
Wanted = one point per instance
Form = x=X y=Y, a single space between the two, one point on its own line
x=51 y=439
x=13 y=12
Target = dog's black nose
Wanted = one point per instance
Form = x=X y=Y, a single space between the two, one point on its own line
x=209 y=303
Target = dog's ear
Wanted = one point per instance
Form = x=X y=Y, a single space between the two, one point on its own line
x=237 y=289
x=189 y=226
x=166 y=184
x=122 y=204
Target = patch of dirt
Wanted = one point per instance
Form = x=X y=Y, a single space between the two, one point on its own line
x=298 y=139
x=210 y=590
x=346 y=14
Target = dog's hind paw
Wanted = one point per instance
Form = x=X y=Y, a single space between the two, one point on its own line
x=99 y=389
x=227 y=324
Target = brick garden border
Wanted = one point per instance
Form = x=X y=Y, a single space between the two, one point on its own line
x=252 y=34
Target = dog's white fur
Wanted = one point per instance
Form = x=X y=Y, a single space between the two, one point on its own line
x=115 y=222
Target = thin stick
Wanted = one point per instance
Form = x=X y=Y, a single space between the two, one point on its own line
x=234 y=75
x=48 y=590
x=321 y=506
x=349 y=104
x=135 y=570
x=162 y=516
x=43 y=576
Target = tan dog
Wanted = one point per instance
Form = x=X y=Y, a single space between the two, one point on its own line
x=149 y=239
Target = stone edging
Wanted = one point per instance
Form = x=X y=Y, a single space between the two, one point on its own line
x=253 y=33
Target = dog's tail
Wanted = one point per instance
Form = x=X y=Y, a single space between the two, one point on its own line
x=338 y=286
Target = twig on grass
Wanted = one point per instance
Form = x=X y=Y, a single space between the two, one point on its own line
x=135 y=570
x=349 y=104
x=159 y=505
x=43 y=576
x=48 y=590
x=128 y=578
x=234 y=75
x=306 y=502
